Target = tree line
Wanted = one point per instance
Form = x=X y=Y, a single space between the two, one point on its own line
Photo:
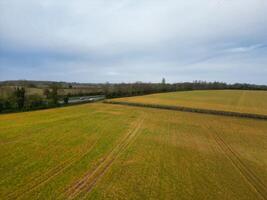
x=139 y=88
x=19 y=100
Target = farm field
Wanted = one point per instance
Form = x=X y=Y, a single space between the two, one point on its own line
x=103 y=151
x=244 y=101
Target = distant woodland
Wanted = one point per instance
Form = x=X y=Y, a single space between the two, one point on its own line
x=30 y=95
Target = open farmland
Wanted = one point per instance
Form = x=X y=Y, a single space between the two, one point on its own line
x=244 y=101
x=103 y=151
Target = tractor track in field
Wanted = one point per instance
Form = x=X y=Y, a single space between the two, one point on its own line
x=49 y=175
x=237 y=162
x=90 y=179
x=43 y=179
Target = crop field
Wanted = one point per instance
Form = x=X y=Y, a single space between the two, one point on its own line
x=104 y=151
x=226 y=100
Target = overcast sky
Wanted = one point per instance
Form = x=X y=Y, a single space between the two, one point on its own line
x=134 y=40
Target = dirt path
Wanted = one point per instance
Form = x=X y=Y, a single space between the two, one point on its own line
x=89 y=180
x=253 y=180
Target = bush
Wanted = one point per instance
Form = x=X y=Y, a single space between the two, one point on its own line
x=34 y=101
x=1 y=106
x=7 y=105
x=66 y=100
x=20 y=97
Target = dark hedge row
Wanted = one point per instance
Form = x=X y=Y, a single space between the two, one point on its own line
x=195 y=110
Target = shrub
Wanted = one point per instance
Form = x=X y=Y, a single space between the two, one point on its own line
x=34 y=101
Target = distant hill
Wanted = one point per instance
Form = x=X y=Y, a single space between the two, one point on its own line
x=44 y=84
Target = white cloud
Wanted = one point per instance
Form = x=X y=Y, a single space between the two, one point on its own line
x=118 y=25
x=146 y=35
x=244 y=49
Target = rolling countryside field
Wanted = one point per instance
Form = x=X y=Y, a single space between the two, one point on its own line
x=244 y=101
x=105 y=151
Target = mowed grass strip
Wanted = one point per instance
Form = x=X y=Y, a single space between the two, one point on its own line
x=170 y=155
x=243 y=101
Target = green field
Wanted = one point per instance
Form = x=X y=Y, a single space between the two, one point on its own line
x=245 y=101
x=103 y=151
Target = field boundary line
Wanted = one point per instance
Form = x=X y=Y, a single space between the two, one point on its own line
x=193 y=110
x=90 y=179
x=237 y=162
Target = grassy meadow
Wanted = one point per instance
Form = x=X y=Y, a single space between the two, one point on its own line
x=103 y=151
x=244 y=101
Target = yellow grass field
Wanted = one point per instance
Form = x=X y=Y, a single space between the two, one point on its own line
x=243 y=101
x=103 y=151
